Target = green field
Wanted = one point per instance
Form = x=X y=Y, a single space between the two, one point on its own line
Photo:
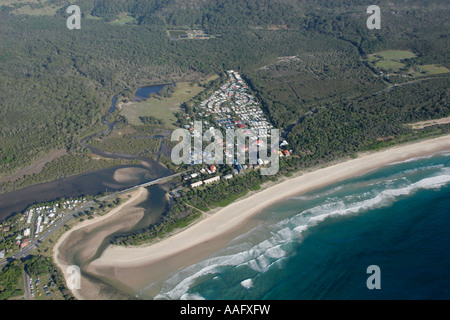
x=389 y=65
x=390 y=60
x=429 y=70
x=49 y=10
x=91 y=17
x=161 y=108
x=393 y=61
x=124 y=18
x=394 y=55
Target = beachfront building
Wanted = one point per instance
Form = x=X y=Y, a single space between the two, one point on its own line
x=196 y=184
x=208 y=181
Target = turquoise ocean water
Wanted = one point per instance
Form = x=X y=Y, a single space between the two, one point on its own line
x=319 y=245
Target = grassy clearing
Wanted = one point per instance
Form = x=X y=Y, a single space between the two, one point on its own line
x=394 y=55
x=429 y=70
x=124 y=18
x=49 y=10
x=161 y=108
x=389 y=65
x=131 y=144
x=91 y=17
x=393 y=61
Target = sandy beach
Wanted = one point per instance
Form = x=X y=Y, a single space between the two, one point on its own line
x=121 y=217
x=124 y=264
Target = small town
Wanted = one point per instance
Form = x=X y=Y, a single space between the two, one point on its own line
x=33 y=222
x=231 y=107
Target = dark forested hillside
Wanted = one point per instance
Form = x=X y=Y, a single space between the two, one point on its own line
x=306 y=60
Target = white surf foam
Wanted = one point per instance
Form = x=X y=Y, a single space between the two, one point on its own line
x=444 y=153
x=193 y=296
x=262 y=256
x=247 y=284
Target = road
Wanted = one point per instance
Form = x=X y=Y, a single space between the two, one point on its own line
x=26 y=285
x=71 y=214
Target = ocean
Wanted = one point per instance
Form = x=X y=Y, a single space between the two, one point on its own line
x=319 y=245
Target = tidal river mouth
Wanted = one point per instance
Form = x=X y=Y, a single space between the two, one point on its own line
x=88 y=183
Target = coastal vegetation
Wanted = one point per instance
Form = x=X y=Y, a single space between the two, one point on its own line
x=130 y=144
x=332 y=86
x=11 y=280
x=178 y=216
x=191 y=203
x=70 y=77
x=44 y=275
x=42 y=268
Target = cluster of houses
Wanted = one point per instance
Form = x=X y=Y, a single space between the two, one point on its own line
x=210 y=170
x=204 y=171
x=39 y=217
x=230 y=107
x=233 y=107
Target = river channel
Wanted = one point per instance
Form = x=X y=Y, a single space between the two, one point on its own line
x=88 y=183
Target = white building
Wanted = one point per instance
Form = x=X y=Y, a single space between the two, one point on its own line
x=196 y=184
x=208 y=181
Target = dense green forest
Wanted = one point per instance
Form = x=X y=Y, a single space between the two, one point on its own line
x=11 y=276
x=306 y=61
x=11 y=280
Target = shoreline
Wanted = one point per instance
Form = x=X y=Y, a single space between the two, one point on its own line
x=73 y=235
x=208 y=234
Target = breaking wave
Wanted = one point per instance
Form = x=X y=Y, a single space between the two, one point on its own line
x=258 y=258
